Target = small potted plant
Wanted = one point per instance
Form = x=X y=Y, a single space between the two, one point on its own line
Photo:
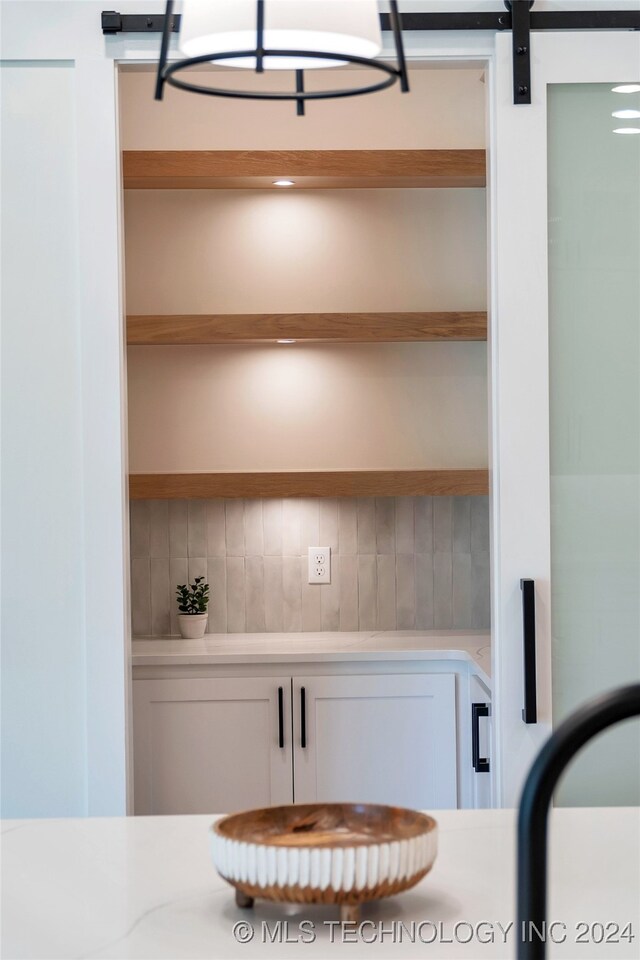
x=193 y=601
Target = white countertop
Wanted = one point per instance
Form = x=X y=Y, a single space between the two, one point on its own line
x=473 y=646
x=145 y=887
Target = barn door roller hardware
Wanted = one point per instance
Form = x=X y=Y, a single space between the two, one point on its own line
x=519 y=17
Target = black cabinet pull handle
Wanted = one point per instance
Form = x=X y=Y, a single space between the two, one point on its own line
x=530 y=711
x=303 y=718
x=281 y=717
x=480 y=764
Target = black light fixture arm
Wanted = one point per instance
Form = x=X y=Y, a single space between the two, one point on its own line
x=586 y=722
x=167 y=27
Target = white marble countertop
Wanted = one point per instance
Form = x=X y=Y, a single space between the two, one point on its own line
x=468 y=645
x=145 y=887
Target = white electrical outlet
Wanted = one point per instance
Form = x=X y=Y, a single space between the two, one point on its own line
x=319 y=564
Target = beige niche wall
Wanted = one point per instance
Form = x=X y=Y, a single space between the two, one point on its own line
x=307 y=406
x=268 y=251
x=444 y=110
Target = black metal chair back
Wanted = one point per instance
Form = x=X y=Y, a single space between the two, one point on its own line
x=585 y=723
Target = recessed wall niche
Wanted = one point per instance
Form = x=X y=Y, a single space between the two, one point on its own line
x=402 y=562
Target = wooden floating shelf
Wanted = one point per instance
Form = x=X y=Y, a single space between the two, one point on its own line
x=309 y=169
x=318 y=327
x=321 y=483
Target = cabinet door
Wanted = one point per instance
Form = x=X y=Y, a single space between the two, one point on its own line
x=376 y=739
x=211 y=745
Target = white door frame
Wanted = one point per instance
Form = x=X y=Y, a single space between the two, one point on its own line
x=519 y=352
x=69 y=30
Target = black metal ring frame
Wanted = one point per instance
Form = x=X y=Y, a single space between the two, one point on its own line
x=173 y=68
x=167 y=71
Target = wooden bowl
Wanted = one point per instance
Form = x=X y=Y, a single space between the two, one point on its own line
x=342 y=853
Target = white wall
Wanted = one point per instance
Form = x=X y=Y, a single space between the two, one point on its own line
x=80 y=730
x=68 y=30
x=43 y=683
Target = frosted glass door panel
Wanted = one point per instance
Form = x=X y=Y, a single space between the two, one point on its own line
x=594 y=329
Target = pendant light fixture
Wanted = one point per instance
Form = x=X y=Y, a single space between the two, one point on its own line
x=294 y=35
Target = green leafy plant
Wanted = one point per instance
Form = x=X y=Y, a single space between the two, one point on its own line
x=194 y=598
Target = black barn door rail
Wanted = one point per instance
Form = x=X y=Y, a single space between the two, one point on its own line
x=519 y=17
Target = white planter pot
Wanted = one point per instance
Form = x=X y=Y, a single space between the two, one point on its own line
x=192 y=625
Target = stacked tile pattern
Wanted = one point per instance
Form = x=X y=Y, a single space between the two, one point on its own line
x=398 y=563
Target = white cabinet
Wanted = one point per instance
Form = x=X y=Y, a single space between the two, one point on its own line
x=376 y=739
x=206 y=744
x=209 y=745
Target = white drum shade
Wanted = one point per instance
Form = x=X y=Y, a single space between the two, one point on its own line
x=349 y=27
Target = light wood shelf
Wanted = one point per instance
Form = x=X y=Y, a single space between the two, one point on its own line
x=310 y=169
x=318 y=327
x=309 y=483
x=332 y=169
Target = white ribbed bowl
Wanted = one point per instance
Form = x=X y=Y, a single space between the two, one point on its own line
x=324 y=853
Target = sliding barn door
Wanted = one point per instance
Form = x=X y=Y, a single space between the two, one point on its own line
x=566 y=403
x=63 y=464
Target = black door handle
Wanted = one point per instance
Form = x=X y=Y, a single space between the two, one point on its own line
x=480 y=764
x=530 y=711
x=303 y=718
x=281 y=717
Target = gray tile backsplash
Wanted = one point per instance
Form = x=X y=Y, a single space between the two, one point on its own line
x=398 y=563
